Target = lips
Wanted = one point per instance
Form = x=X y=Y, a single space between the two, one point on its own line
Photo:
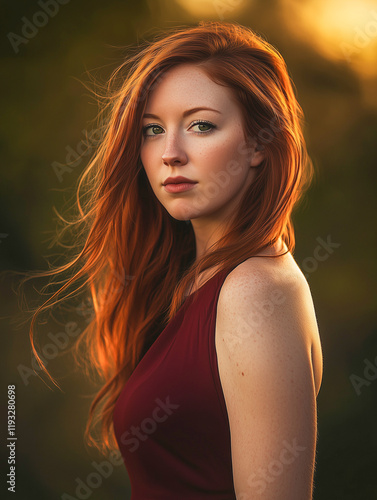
x=180 y=187
x=178 y=180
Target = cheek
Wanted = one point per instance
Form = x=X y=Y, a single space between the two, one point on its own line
x=225 y=153
x=227 y=141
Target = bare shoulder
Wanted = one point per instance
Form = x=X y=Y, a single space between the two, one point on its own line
x=270 y=368
x=272 y=291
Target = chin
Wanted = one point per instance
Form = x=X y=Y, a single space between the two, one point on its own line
x=184 y=215
x=181 y=217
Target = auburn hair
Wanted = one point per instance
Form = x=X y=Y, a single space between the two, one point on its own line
x=135 y=260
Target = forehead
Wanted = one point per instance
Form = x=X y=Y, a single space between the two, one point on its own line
x=188 y=85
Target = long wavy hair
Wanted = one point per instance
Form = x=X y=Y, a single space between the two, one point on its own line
x=135 y=260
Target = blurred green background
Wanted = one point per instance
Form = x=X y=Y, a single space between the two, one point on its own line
x=331 y=51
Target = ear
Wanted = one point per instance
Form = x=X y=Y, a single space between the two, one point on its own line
x=257 y=153
x=257 y=158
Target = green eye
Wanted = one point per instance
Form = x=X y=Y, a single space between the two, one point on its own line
x=156 y=130
x=203 y=125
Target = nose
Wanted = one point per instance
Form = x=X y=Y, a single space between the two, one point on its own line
x=174 y=153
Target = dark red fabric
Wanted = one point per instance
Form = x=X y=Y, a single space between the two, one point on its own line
x=170 y=420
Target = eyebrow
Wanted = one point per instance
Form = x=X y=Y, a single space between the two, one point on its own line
x=185 y=113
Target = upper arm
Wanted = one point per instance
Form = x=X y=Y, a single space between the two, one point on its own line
x=264 y=355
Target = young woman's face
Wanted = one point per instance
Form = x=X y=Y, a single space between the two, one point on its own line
x=181 y=138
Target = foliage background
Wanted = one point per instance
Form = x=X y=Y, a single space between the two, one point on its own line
x=331 y=51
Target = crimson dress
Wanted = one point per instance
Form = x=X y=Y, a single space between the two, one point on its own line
x=170 y=420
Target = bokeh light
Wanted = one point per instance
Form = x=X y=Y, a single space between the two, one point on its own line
x=340 y=29
x=210 y=8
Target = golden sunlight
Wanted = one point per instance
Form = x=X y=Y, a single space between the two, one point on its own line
x=340 y=29
x=215 y=9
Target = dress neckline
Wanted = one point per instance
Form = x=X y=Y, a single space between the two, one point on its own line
x=217 y=273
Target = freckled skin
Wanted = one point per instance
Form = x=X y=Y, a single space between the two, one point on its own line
x=177 y=147
x=272 y=403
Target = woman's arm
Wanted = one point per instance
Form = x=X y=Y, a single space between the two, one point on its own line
x=265 y=331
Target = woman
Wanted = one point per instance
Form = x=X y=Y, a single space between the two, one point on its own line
x=209 y=351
